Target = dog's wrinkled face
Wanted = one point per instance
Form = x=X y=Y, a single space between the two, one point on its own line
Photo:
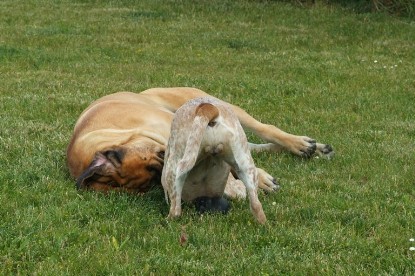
x=124 y=169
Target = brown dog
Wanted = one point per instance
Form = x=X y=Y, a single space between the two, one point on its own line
x=119 y=141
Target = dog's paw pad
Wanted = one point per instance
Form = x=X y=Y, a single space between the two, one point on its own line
x=325 y=150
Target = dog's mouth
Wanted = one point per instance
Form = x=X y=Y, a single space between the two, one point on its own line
x=113 y=184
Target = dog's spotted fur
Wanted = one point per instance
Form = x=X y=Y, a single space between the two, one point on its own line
x=206 y=141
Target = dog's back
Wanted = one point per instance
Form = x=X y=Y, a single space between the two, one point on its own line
x=205 y=115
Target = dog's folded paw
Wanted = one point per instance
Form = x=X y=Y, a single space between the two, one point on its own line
x=266 y=181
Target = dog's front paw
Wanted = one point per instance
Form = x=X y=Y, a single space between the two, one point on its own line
x=266 y=181
x=307 y=147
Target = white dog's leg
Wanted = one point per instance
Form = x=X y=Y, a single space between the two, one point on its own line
x=244 y=166
x=249 y=177
x=176 y=196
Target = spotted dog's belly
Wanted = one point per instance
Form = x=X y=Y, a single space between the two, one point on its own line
x=208 y=178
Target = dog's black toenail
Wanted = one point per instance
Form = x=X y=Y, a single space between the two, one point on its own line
x=328 y=148
x=306 y=153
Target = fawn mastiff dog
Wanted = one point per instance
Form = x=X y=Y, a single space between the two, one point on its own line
x=206 y=141
x=119 y=141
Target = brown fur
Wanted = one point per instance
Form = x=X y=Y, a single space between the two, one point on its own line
x=207 y=110
x=138 y=126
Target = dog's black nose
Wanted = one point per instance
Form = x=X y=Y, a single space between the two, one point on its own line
x=212 y=204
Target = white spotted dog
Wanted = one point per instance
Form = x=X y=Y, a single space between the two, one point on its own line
x=206 y=142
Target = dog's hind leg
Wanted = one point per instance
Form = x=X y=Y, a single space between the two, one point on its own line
x=183 y=168
x=244 y=166
x=249 y=177
x=176 y=196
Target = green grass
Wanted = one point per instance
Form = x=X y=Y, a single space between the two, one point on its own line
x=346 y=79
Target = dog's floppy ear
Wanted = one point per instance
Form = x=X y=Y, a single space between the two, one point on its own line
x=115 y=157
x=103 y=164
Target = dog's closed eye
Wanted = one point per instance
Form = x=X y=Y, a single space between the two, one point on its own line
x=212 y=123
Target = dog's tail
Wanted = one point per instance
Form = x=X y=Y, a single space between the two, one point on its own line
x=205 y=116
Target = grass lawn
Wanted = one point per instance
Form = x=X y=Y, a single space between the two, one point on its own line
x=343 y=78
